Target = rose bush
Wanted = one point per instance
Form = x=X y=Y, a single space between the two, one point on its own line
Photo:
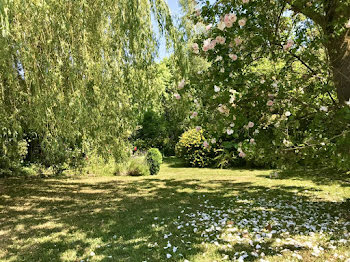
x=270 y=85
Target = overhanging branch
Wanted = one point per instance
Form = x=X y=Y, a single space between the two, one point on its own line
x=300 y=7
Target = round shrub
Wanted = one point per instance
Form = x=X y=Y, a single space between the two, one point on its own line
x=190 y=148
x=154 y=159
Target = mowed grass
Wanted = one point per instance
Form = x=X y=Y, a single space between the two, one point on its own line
x=182 y=214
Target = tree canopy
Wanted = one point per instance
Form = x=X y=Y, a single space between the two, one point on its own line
x=278 y=81
x=266 y=81
x=77 y=74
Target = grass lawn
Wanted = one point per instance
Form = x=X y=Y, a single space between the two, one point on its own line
x=182 y=214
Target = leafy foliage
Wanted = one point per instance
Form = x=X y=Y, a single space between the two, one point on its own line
x=270 y=85
x=162 y=126
x=134 y=166
x=77 y=75
x=12 y=154
x=152 y=132
x=154 y=160
x=267 y=80
x=190 y=149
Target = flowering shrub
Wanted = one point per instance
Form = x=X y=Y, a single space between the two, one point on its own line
x=269 y=85
x=194 y=149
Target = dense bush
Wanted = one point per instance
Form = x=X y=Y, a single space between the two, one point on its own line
x=152 y=131
x=154 y=160
x=199 y=151
x=12 y=154
x=98 y=166
x=190 y=148
x=138 y=167
x=135 y=166
x=226 y=154
x=160 y=129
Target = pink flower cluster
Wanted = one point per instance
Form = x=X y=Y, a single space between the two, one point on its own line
x=242 y=22
x=195 y=48
x=223 y=109
x=234 y=57
x=270 y=102
x=250 y=124
x=241 y=153
x=220 y=39
x=226 y=21
x=194 y=114
x=208 y=44
x=229 y=19
x=238 y=41
x=205 y=144
x=288 y=45
x=181 y=84
x=177 y=96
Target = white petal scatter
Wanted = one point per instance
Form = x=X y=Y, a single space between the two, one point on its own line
x=264 y=226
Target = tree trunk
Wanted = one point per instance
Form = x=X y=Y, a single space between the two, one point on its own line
x=339 y=54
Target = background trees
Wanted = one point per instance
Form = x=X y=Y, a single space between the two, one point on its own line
x=267 y=81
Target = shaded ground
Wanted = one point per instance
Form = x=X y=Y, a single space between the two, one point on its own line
x=193 y=214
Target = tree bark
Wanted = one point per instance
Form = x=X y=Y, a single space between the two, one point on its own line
x=338 y=47
x=339 y=54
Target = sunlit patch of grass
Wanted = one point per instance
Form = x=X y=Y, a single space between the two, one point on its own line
x=132 y=218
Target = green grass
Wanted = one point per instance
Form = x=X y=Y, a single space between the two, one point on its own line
x=207 y=214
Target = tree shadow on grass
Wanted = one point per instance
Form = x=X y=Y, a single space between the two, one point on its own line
x=319 y=177
x=57 y=220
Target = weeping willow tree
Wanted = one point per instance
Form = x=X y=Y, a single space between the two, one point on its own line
x=76 y=74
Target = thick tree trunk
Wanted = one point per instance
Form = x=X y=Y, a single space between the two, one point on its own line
x=339 y=54
x=338 y=48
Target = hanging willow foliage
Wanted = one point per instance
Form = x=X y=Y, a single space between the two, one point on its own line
x=77 y=73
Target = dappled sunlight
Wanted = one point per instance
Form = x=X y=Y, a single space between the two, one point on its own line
x=212 y=131
x=197 y=217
